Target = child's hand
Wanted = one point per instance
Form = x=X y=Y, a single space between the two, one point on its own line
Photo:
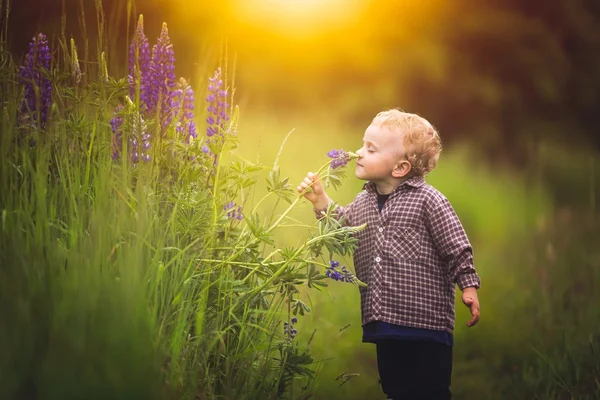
x=470 y=299
x=317 y=195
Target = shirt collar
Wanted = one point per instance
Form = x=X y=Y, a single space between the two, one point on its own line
x=415 y=182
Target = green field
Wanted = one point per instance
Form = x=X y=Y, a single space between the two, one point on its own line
x=124 y=279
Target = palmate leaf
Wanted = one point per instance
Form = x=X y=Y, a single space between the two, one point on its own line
x=192 y=214
x=314 y=278
x=280 y=187
x=290 y=279
x=299 y=307
x=335 y=177
x=240 y=171
x=254 y=224
x=243 y=168
x=289 y=253
x=336 y=239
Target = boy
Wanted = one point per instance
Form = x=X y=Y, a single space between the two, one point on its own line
x=412 y=253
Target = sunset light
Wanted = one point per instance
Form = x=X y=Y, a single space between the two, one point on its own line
x=297 y=17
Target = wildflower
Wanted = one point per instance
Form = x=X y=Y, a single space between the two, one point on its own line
x=288 y=328
x=217 y=105
x=38 y=87
x=183 y=107
x=139 y=66
x=340 y=157
x=233 y=214
x=342 y=275
x=162 y=78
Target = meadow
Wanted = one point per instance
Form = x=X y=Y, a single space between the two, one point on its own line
x=153 y=245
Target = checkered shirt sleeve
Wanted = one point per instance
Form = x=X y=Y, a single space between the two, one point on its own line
x=451 y=243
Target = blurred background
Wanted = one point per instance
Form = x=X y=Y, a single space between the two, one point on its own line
x=512 y=86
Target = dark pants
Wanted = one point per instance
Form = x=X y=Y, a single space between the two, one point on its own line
x=413 y=370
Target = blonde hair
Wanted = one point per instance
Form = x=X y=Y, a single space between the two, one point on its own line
x=421 y=140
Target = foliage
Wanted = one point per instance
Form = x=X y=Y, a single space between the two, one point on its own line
x=133 y=262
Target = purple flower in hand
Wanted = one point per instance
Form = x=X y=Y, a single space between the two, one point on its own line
x=340 y=157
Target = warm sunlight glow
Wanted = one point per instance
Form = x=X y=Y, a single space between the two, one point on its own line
x=297 y=17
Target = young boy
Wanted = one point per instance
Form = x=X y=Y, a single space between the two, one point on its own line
x=412 y=253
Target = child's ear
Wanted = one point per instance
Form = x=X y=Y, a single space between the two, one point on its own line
x=401 y=169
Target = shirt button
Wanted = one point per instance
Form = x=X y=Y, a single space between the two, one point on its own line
x=377 y=259
x=380 y=229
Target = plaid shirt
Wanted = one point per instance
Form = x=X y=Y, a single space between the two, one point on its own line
x=411 y=255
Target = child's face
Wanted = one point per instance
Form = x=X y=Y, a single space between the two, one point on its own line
x=380 y=154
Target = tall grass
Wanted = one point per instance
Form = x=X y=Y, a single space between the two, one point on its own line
x=130 y=280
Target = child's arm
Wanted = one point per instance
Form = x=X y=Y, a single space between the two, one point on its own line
x=453 y=246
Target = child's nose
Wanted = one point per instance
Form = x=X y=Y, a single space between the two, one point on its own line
x=359 y=152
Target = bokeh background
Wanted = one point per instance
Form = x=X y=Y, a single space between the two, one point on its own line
x=512 y=86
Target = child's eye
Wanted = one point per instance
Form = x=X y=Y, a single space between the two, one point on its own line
x=370 y=151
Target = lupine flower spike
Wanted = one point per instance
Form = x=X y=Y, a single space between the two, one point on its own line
x=139 y=67
x=162 y=78
x=342 y=275
x=288 y=328
x=340 y=158
x=217 y=105
x=233 y=213
x=38 y=87
x=183 y=108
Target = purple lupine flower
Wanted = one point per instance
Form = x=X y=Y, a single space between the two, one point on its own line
x=340 y=158
x=217 y=105
x=183 y=107
x=343 y=275
x=38 y=58
x=234 y=214
x=162 y=70
x=139 y=66
x=288 y=328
